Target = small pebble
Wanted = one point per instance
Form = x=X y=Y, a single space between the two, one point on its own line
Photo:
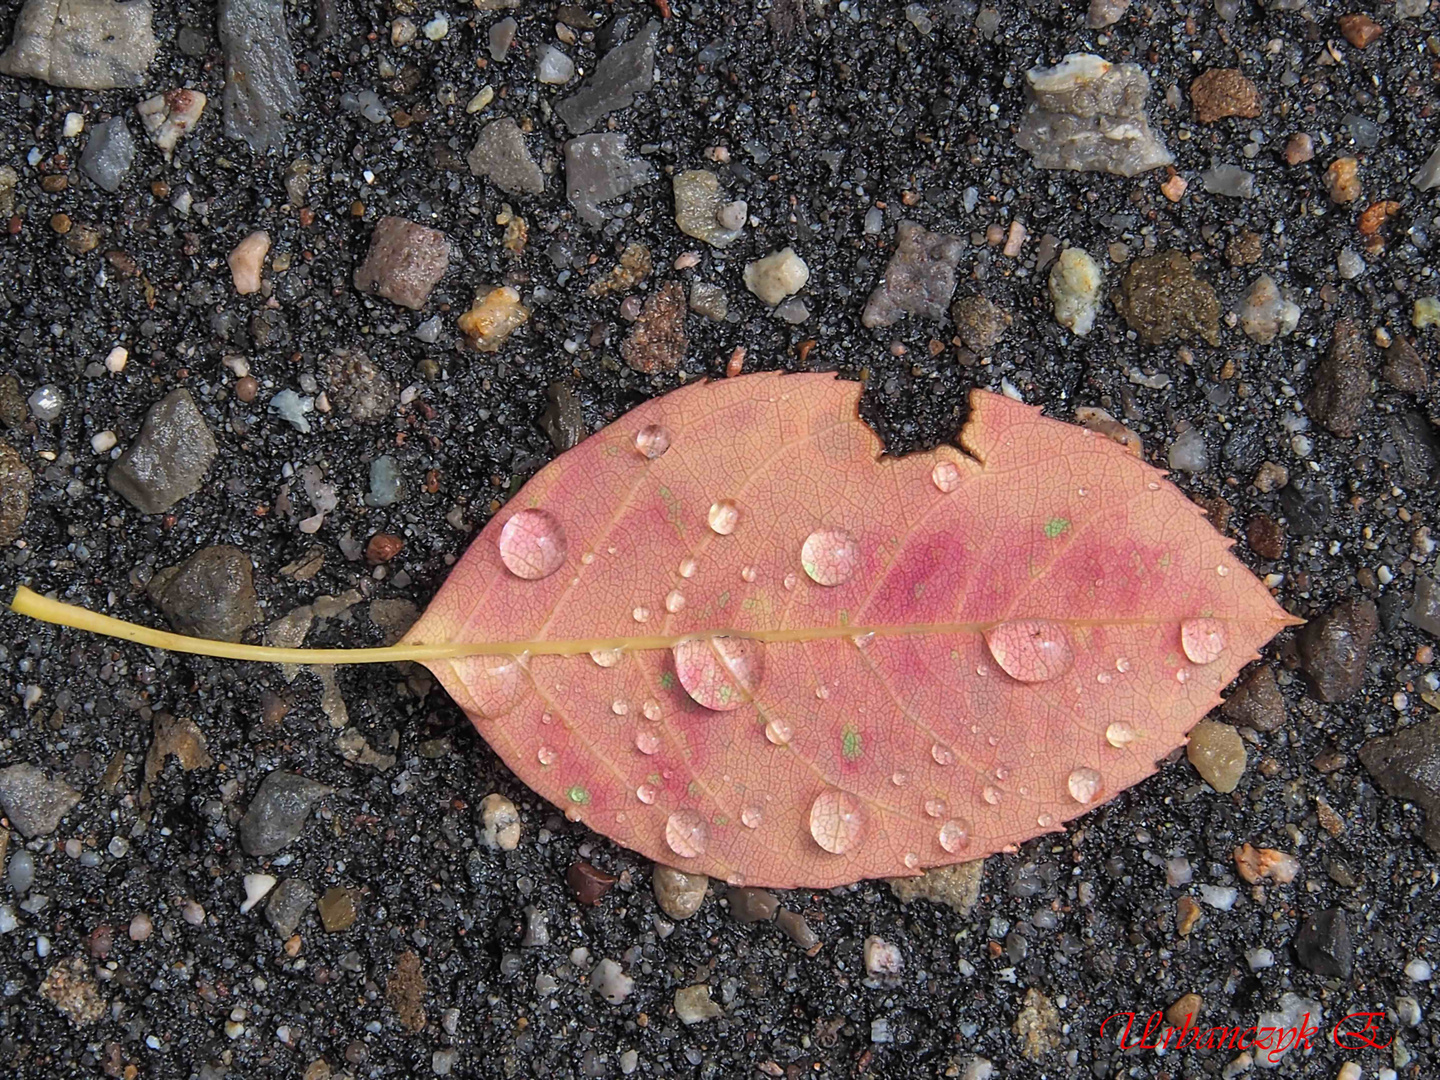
x=257 y=887
x=1218 y=754
x=192 y=912
x=777 y=276
x=438 y=27
x=1419 y=970
x=610 y=982
x=679 y=894
x=693 y=1005
x=882 y=959
x=553 y=67
x=247 y=260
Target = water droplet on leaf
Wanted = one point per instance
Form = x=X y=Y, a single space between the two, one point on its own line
x=687 y=568
x=723 y=517
x=720 y=673
x=532 y=544
x=619 y=707
x=546 y=756
x=945 y=476
x=1031 y=650
x=641 y=614
x=911 y=860
x=751 y=815
x=830 y=556
x=646 y=741
x=954 y=836
x=1122 y=664
x=836 y=820
x=943 y=755
x=747 y=573
x=652 y=440
x=899 y=779
x=686 y=834
x=1121 y=735
x=1084 y=785
x=778 y=731
x=991 y=795
x=647 y=794
x=790 y=581
x=606 y=657
x=936 y=807
x=674 y=601
x=1202 y=639
x=652 y=709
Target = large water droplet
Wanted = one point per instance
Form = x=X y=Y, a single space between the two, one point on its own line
x=532 y=544
x=945 y=476
x=943 y=755
x=830 y=556
x=546 y=756
x=1031 y=650
x=954 y=835
x=674 y=601
x=723 y=517
x=686 y=834
x=606 y=657
x=647 y=794
x=779 y=731
x=1084 y=785
x=652 y=709
x=652 y=440
x=1202 y=639
x=687 y=568
x=751 y=815
x=720 y=673
x=837 y=819
x=747 y=574
x=1121 y=735
x=936 y=807
x=911 y=860
x=647 y=741
x=991 y=795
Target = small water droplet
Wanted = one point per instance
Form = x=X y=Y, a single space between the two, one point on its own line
x=587 y=558
x=790 y=581
x=747 y=573
x=1182 y=676
x=619 y=707
x=862 y=640
x=1045 y=821
x=687 y=568
x=1104 y=677
x=606 y=657
x=822 y=692
x=1153 y=485
x=982 y=670
x=945 y=476
x=751 y=815
x=837 y=819
x=991 y=795
x=646 y=741
x=1121 y=735
x=1001 y=772
x=943 y=755
x=830 y=556
x=778 y=731
x=936 y=807
x=674 y=601
x=641 y=614
x=1084 y=785
x=1202 y=639
x=720 y=673
x=652 y=440
x=899 y=779
x=495 y=684
x=1222 y=570
x=532 y=544
x=647 y=794
x=652 y=709
x=686 y=834
x=1031 y=650
x=1122 y=664
x=1082 y=492
x=954 y=836
x=547 y=718
x=911 y=860
x=546 y=756
x=723 y=517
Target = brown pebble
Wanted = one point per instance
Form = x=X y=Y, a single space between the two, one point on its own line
x=160 y=189
x=307 y=217
x=82 y=239
x=1187 y=914
x=1299 y=149
x=1257 y=702
x=246 y=387
x=405 y=991
x=1245 y=249
x=1185 y=1011
x=1257 y=864
x=588 y=884
x=1222 y=92
x=1342 y=180
x=1360 y=30
x=337 y=909
x=382 y=548
x=60 y=223
x=1266 y=537
x=292 y=945
x=51 y=185
x=752 y=905
x=797 y=929
x=1329 y=820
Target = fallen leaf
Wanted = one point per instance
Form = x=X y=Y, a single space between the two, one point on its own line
x=730 y=635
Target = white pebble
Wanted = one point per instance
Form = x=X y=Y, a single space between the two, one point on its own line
x=1260 y=959
x=1076 y=284
x=1349 y=1071
x=778 y=275
x=1220 y=897
x=437 y=27
x=554 y=67
x=882 y=959
x=610 y=982
x=116 y=359
x=1419 y=970
x=102 y=442
x=74 y=124
x=257 y=887
x=502 y=823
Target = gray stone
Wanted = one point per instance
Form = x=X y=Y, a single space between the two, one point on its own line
x=278 y=812
x=1428 y=175
x=1230 y=180
x=502 y=34
x=288 y=904
x=33 y=801
x=1335 y=647
x=211 y=594
x=623 y=72
x=1341 y=393
x=169 y=458
x=752 y=905
x=1323 y=944
x=1103 y=13
x=597 y=171
x=86 y=44
x=500 y=154
x=404 y=263
x=1406 y=765
x=108 y=154
x=1088 y=115
x=709 y=300
x=918 y=280
x=1424 y=611
x=260 y=82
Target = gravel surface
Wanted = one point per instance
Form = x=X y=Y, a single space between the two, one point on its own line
x=391 y=901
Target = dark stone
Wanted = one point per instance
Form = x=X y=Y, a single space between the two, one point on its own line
x=623 y=72
x=404 y=263
x=1161 y=298
x=1335 y=647
x=288 y=904
x=16 y=483
x=501 y=155
x=1424 y=611
x=918 y=280
x=278 y=812
x=1323 y=944
x=563 y=419
x=1404 y=369
x=1265 y=536
x=1256 y=702
x=260 y=81
x=657 y=341
x=1406 y=765
x=752 y=905
x=588 y=884
x=1341 y=392
x=209 y=595
x=1306 y=507
x=1416 y=448
x=108 y=154
x=34 y=801
x=169 y=458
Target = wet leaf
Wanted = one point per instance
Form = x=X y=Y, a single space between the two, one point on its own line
x=731 y=636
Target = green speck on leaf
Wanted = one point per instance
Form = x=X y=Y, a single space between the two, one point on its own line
x=577 y=794
x=850 y=743
x=1055 y=526
x=667 y=680
x=724 y=599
